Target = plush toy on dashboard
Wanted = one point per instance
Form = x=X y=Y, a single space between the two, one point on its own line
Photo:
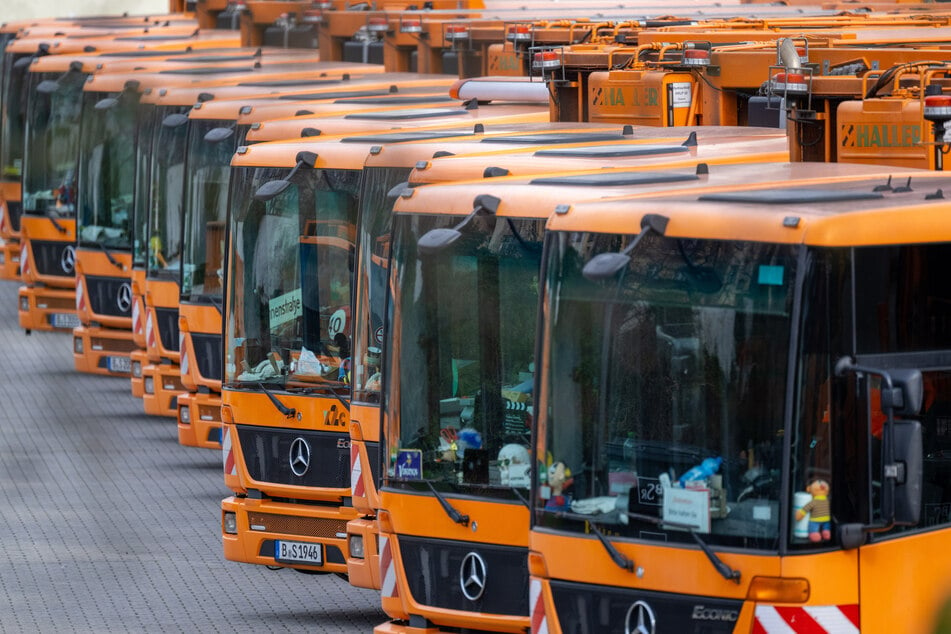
x=820 y=516
x=559 y=479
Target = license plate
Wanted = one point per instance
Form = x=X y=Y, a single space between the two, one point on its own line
x=119 y=364
x=64 y=320
x=298 y=553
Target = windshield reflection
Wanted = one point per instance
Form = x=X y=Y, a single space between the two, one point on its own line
x=107 y=166
x=205 y=210
x=372 y=266
x=164 y=224
x=52 y=144
x=289 y=294
x=667 y=388
x=463 y=336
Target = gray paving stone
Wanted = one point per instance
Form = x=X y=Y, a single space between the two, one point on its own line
x=107 y=524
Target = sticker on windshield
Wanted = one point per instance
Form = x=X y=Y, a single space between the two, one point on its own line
x=770 y=275
x=285 y=308
x=409 y=464
x=337 y=323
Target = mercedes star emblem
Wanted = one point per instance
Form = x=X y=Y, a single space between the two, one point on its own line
x=299 y=456
x=472 y=576
x=124 y=298
x=640 y=619
x=67 y=261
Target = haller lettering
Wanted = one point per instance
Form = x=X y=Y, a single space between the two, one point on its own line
x=887 y=135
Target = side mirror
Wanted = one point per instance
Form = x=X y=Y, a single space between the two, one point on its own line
x=902 y=392
x=907 y=393
x=902 y=500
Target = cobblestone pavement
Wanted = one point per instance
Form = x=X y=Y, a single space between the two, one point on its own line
x=107 y=524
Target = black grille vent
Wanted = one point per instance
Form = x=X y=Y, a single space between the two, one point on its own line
x=15 y=209
x=592 y=608
x=433 y=568
x=54 y=257
x=167 y=319
x=267 y=452
x=208 y=355
x=105 y=298
x=373 y=455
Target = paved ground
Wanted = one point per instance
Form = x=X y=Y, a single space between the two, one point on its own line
x=107 y=524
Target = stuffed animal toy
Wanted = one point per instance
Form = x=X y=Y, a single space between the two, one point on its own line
x=559 y=479
x=820 y=516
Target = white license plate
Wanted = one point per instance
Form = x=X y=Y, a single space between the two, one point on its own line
x=64 y=320
x=119 y=364
x=298 y=553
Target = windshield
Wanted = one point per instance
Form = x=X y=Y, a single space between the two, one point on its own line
x=291 y=257
x=666 y=389
x=206 y=210
x=107 y=169
x=373 y=248
x=462 y=341
x=148 y=122
x=164 y=221
x=52 y=144
x=15 y=107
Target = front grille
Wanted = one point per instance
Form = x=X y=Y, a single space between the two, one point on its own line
x=267 y=454
x=173 y=383
x=208 y=355
x=591 y=608
x=435 y=576
x=293 y=525
x=56 y=303
x=105 y=297
x=167 y=322
x=209 y=413
x=54 y=257
x=112 y=345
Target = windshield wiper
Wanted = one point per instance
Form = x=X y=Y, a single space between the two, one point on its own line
x=453 y=514
x=288 y=412
x=724 y=569
x=521 y=498
x=619 y=558
x=728 y=573
x=109 y=256
x=55 y=222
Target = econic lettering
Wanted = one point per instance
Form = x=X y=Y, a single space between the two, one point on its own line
x=703 y=613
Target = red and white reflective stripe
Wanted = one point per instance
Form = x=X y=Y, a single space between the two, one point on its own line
x=357 y=488
x=812 y=619
x=136 y=315
x=25 y=264
x=388 y=589
x=539 y=622
x=227 y=453
x=183 y=368
x=80 y=296
x=149 y=331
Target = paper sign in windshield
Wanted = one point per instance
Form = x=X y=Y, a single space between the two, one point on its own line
x=285 y=308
